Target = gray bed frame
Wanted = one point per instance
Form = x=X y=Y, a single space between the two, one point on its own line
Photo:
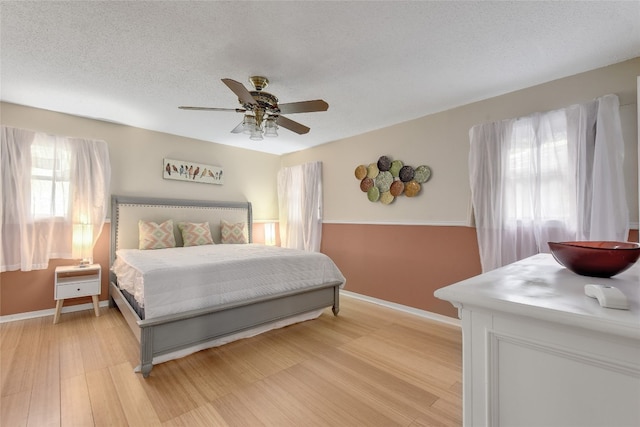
x=168 y=334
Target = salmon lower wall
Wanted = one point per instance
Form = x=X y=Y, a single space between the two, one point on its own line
x=403 y=264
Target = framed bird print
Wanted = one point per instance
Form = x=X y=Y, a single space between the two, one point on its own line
x=181 y=170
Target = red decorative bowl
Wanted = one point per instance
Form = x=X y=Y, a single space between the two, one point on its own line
x=596 y=258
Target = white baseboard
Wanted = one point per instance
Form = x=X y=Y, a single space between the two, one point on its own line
x=400 y=223
x=50 y=312
x=406 y=309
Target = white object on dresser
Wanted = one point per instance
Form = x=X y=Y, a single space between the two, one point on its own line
x=607 y=296
x=538 y=351
x=73 y=281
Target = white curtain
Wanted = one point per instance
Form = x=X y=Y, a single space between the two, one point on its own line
x=300 y=206
x=553 y=176
x=49 y=184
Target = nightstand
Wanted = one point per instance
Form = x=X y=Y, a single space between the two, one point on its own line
x=72 y=281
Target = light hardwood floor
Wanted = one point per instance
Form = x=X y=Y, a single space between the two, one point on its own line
x=370 y=366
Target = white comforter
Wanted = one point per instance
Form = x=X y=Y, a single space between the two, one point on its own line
x=169 y=281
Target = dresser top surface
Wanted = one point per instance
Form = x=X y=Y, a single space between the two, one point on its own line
x=540 y=287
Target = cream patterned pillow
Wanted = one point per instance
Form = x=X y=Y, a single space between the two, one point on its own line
x=195 y=233
x=152 y=235
x=233 y=233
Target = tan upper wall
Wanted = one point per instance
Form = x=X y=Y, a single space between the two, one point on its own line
x=439 y=140
x=136 y=160
x=442 y=141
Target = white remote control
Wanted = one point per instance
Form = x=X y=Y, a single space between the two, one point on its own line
x=607 y=296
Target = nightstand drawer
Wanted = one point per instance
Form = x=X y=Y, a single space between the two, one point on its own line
x=77 y=289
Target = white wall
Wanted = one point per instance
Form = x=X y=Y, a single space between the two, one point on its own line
x=442 y=141
x=136 y=160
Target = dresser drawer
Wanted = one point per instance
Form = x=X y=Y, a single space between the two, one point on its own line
x=77 y=289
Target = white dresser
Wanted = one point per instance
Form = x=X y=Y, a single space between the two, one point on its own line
x=538 y=352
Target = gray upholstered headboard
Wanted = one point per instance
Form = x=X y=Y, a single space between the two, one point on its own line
x=126 y=211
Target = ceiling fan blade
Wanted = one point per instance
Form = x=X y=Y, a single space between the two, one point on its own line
x=239 y=128
x=292 y=126
x=303 y=106
x=241 y=91
x=237 y=110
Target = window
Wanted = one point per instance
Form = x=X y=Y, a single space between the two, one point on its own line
x=49 y=185
x=536 y=184
x=50 y=178
x=553 y=176
x=300 y=206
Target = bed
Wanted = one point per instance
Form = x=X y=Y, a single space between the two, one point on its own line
x=201 y=318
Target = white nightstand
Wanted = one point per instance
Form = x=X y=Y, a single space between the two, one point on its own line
x=72 y=281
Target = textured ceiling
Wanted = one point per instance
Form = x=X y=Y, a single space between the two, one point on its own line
x=375 y=63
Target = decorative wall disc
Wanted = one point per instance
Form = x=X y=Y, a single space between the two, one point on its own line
x=373 y=194
x=366 y=184
x=383 y=181
x=412 y=188
x=372 y=170
x=384 y=163
x=386 y=198
x=361 y=172
x=406 y=173
x=396 y=165
x=397 y=188
x=423 y=173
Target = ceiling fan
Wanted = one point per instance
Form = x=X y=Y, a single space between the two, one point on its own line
x=263 y=114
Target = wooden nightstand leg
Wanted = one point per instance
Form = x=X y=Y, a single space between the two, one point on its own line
x=56 y=317
x=96 y=306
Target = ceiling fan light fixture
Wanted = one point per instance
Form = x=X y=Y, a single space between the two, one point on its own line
x=249 y=124
x=256 y=134
x=270 y=127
